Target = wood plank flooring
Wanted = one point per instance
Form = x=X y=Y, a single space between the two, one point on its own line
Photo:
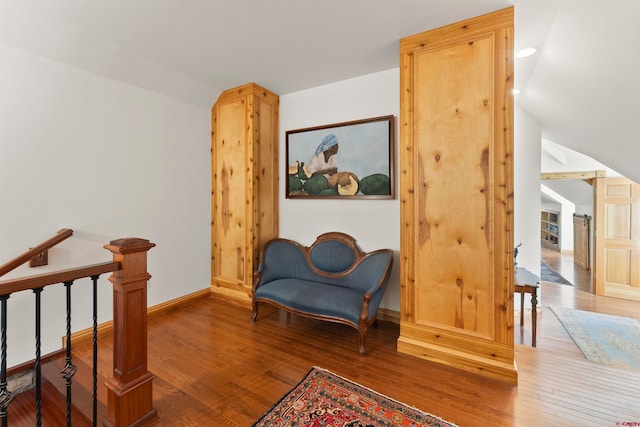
x=215 y=367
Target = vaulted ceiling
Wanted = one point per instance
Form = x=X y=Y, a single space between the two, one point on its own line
x=582 y=86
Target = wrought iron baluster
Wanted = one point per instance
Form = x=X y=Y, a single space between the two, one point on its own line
x=5 y=394
x=38 y=367
x=69 y=369
x=95 y=349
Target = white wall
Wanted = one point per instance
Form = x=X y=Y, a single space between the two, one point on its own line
x=527 y=135
x=374 y=224
x=108 y=160
x=558 y=158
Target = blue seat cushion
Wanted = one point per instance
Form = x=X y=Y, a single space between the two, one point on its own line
x=314 y=298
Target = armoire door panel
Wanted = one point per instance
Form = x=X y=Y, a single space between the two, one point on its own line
x=230 y=227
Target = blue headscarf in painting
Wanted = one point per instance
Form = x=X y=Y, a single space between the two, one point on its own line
x=327 y=142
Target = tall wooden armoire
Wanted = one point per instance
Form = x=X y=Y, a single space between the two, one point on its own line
x=456 y=179
x=244 y=185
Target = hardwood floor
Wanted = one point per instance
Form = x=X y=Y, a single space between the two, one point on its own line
x=580 y=295
x=563 y=264
x=215 y=367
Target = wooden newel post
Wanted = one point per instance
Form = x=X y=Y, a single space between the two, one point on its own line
x=130 y=390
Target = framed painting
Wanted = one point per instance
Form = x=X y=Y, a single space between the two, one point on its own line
x=349 y=160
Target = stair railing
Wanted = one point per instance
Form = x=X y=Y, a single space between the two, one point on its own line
x=130 y=399
x=61 y=235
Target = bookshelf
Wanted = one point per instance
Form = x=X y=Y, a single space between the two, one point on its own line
x=550 y=229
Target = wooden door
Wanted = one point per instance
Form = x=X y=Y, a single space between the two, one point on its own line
x=617 y=261
x=456 y=239
x=581 y=239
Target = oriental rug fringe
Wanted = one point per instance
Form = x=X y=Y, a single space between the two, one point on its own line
x=323 y=398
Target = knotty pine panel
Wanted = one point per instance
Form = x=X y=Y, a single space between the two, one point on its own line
x=454 y=206
x=266 y=175
x=229 y=221
x=456 y=180
x=244 y=153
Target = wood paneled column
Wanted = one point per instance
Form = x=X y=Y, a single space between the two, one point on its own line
x=456 y=190
x=130 y=390
x=244 y=185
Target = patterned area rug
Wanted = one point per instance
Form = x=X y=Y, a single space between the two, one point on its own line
x=603 y=338
x=548 y=275
x=323 y=398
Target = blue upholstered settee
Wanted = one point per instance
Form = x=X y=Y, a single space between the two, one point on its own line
x=333 y=280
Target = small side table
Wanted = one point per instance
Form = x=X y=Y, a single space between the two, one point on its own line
x=528 y=283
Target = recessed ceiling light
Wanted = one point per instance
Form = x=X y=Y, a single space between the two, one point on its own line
x=515 y=91
x=527 y=51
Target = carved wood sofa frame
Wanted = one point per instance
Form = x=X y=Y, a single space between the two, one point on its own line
x=331 y=280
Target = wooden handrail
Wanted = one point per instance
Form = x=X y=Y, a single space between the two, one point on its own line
x=61 y=235
x=9 y=286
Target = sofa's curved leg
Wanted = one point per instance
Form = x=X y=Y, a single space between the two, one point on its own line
x=363 y=335
x=254 y=310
